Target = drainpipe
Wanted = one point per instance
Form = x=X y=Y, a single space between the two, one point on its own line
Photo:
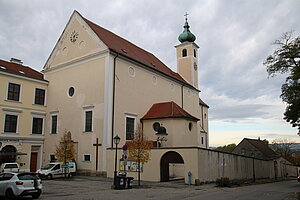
x=113 y=103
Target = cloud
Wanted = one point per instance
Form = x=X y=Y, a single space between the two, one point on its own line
x=234 y=38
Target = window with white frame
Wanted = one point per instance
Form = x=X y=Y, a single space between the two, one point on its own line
x=39 y=96
x=87 y=157
x=88 y=121
x=11 y=122
x=130 y=127
x=13 y=91
x=37 y=123
x=53 y=124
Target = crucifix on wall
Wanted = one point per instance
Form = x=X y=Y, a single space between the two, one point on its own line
x=97 y=149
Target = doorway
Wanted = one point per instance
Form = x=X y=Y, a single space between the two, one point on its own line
x=170 y=157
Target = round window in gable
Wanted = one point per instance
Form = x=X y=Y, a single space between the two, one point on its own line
x=71 y=91
x=156 y=126
x=190 y=126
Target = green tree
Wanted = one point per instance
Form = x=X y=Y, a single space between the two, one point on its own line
x=283 y=147
x=286 y=59
x=139 y=149
x=226 y=148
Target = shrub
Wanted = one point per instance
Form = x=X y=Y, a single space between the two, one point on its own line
x=223 y=182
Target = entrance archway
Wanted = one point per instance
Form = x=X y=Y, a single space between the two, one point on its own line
x=166 y=159
x=8 y=154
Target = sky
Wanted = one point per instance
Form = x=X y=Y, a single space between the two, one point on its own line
x=234 y=36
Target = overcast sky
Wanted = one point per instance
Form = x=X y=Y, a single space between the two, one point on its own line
x=234 y=36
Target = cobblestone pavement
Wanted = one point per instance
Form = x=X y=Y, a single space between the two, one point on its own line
x=90 y=188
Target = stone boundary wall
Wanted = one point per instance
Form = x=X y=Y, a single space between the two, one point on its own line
x=214 y=165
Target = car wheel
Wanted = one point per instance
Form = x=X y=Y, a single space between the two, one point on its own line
x=36 y=195
x=70 y=175
x=50 y=176
x=9 y=194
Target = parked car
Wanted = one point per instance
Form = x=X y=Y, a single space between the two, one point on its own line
x=9 y=167
x=57 y=169
x=20 y=184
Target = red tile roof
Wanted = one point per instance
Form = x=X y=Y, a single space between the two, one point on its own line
x=167 y=110
x=202 y=103
x=262 y=147
x=126 y=48
x=21 y=70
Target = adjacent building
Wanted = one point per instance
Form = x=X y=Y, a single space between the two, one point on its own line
x=23 y=103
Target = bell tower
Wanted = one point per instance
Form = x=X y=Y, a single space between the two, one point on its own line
x=187 y=55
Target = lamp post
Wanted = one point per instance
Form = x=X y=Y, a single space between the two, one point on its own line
x=116 y=141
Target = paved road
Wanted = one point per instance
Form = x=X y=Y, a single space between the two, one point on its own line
x=88 y=188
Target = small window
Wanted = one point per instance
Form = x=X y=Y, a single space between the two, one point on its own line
x=130 y=128
x=195 y=53
x=156 y=126
x=13 y=92
x=71 y=91
x=184 y=52
x=190 y=126
x=52 y=158
x=202 y=140
x=88 y=121
x=37 y=125
x=39 y=96
x=10 y=125
x=54 y=124
x=86 y=157
x=205 y=116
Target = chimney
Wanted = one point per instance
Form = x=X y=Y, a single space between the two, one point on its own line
x=16 y=61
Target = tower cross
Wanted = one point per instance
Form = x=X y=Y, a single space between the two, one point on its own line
x=186 y=14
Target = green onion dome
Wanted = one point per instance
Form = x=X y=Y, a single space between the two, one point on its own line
x=186 y=35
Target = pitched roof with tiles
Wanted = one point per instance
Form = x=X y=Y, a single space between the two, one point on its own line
x=202 y=103
x=20 y=70
x=262 y=147
x=124 y=47
x=167 y=110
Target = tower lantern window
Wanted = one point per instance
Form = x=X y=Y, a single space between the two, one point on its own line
x=184 y=53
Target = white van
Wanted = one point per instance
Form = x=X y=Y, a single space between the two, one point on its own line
x=57 y=169
x=9 y=167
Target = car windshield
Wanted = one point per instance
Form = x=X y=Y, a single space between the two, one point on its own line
x=7 y=166
x=27 y=176
x=49 y=166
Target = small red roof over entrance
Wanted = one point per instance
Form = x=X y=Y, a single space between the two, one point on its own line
x=167 y=110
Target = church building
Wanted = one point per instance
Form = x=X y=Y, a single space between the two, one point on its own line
x=101 y=85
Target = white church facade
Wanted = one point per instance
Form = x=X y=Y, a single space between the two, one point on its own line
x=101 y=85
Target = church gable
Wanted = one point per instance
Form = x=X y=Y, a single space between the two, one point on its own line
x=77 y=40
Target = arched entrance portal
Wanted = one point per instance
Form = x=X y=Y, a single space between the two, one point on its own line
x=166 y=159
x=8 y=154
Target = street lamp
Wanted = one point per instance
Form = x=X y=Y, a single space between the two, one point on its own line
x=116 y=141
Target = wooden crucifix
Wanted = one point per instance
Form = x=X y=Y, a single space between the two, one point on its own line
x=97 y=148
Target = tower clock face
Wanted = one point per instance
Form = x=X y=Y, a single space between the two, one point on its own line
x=74 y=36
x=195 y=66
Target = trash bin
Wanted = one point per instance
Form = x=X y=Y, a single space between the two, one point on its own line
x=129 y=181
x=120 y=183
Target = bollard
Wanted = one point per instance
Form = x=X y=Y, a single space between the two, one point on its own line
x=189 y=178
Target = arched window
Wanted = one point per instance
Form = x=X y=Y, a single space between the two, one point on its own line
x=195 y=54
x=184 y=52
